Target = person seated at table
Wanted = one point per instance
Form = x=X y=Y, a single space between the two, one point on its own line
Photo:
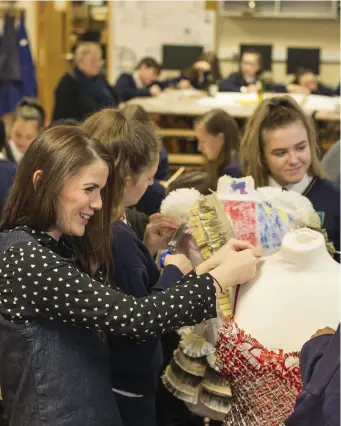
x=245 y=80
x=204 y=71
x=218 y=140
x=84 y=90
x=305 y=82
x=142 y=82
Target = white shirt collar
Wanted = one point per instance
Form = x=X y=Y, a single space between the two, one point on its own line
x=299 y=187
x=137 y=80
x=18 y=155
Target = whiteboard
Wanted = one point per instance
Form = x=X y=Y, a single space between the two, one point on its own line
x=140 y=28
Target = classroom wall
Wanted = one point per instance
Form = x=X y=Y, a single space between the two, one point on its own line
x=282 y=33
x=31 y=23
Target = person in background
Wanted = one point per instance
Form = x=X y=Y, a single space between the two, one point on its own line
x=137 y=112
x=203 y=72
x=85 y=89
x=135 y=152
x=142 y=82
x=7 y=169
x=28 y=122
x=319 y=402
x=197 y=179
x=57 y=303
x=305 y=82
x=218 y=140
x=279 y=149
x=245 y=80
x=331 y=163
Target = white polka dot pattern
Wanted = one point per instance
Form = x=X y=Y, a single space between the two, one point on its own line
x=36 y=281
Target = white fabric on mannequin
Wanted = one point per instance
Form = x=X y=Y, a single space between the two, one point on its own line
x=296 y=293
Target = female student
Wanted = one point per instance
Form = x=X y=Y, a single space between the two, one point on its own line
x=245 y=80
x=204 y=71
x=135 y=150
x=56 y=304
x=28 y=121
x=141 y=82
x=279 y=149
x=218 y=140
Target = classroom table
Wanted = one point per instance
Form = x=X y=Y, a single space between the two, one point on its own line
x=240 y=105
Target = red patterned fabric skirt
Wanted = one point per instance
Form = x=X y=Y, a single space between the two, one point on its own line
x=264 y=383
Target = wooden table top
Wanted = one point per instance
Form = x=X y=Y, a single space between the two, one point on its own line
x=239 y=105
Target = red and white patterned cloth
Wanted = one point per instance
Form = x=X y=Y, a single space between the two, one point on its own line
x=264 y=383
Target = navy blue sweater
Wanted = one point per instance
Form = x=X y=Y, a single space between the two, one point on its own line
x=233 y=83
x=151 y=200
x=136 y=365
x=321 y=89
x=7 y=173
x=127 y=89
x=319 y=402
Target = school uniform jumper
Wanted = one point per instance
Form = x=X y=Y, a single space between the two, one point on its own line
x=136 y=367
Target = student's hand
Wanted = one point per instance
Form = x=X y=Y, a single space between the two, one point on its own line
x=235 y=245
x=180 y=261
x=158 y=231
x=238 y=268
x=323 y=331
x=296 y=88
x=203 y=66
x=155 y=90
x=252 y=88
x=184 y=84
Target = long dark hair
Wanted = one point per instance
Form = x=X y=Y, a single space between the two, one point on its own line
x=133 y=146
x=219 y=121
x=59 y=153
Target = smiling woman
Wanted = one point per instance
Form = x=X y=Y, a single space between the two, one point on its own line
x=279 y=148
x=57 y=305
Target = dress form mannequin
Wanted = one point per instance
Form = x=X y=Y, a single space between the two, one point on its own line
x=296 y=293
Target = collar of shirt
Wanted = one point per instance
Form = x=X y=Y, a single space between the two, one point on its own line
x=62 y=247
x=137 y=80
x=299 y=187
x=18 y=155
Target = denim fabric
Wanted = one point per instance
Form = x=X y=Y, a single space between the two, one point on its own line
x=54 y=374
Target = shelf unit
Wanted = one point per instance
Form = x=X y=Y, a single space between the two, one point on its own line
x=284 y=9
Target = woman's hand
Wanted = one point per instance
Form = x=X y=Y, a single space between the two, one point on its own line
x=235 y=245
x=180 y=261
x=158 y=231
x=239 y=267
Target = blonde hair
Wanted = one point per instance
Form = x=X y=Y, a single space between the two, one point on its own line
x=272 y=114
x=84 y=48
x=29 y=109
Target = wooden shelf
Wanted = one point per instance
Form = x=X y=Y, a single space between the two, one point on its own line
x=186 y=159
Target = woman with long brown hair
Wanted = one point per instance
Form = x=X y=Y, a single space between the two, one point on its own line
x=57 y=305
x=218 y=140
